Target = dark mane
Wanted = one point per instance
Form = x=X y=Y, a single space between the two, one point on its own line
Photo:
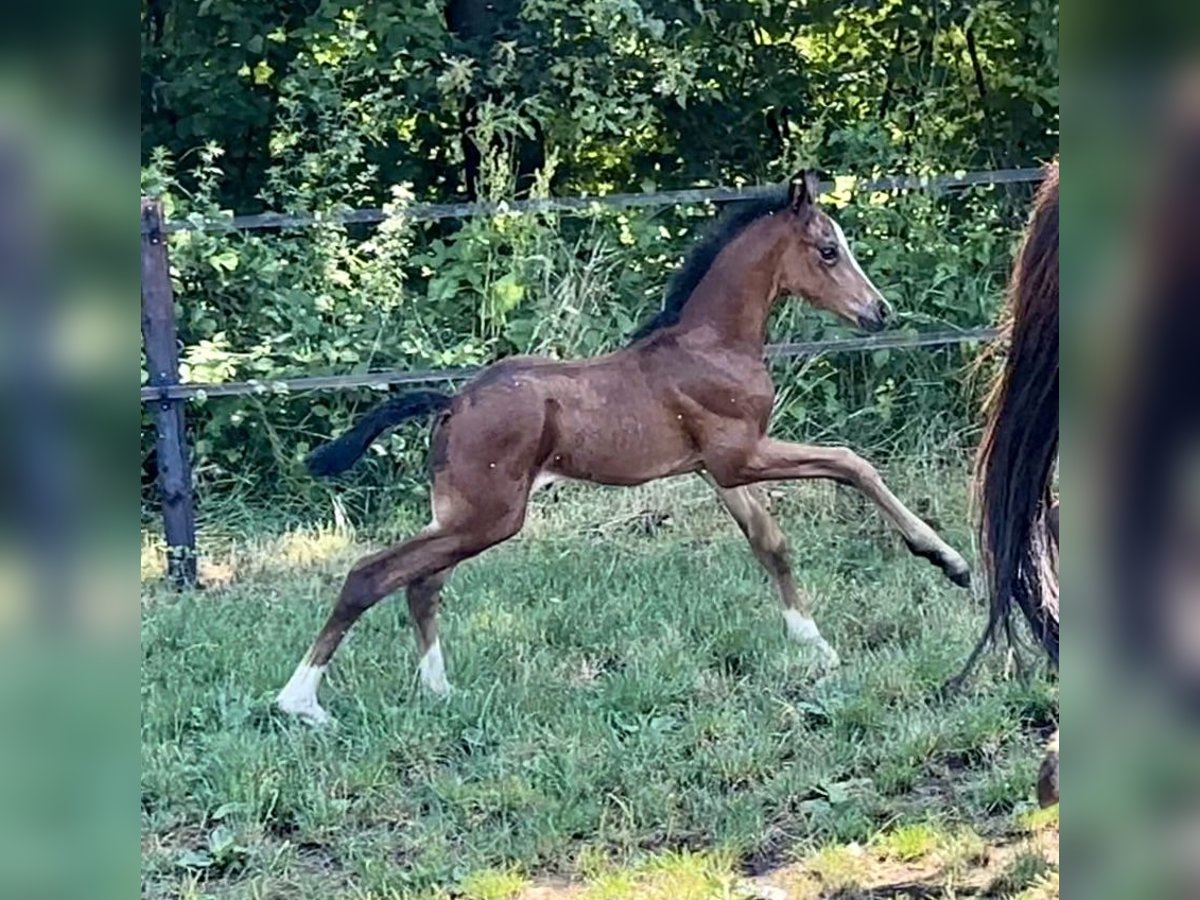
x=727 y=226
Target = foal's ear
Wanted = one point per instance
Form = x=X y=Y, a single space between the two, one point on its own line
x=802 y=190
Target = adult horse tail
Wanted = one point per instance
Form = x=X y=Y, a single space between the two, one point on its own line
x=341 y=453
x=1018 y=522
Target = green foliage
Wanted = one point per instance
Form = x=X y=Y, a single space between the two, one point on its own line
x=290 y=107
x=626 y=94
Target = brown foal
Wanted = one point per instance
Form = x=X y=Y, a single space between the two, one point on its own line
x=691 y=394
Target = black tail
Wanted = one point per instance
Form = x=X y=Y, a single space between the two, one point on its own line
x=340 y=454
x=1014 y=470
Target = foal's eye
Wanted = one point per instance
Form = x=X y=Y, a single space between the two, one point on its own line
x=829 y=254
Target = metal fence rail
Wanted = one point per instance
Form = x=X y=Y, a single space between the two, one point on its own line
x=424 y=212
x=150 y=393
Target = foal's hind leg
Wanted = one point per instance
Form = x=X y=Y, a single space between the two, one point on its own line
x=771 y=549
x=419 y=561
x=424 y=598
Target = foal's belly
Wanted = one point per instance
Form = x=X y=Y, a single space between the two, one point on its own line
x=617 y=446
x=622 y=473
x=600 y=421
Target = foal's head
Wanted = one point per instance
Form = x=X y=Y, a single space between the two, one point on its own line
x=818 y=264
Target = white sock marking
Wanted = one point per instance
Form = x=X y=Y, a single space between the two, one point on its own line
x=801 y=627
x=804 y=630
x=433 y=670
x=543 y=479
x=299 y=695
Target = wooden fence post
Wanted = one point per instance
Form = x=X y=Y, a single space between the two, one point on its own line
x=162 y=362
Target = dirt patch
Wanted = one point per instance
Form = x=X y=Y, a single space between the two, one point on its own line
x=1002 y=870
x=1018 y=863
x=553 y=890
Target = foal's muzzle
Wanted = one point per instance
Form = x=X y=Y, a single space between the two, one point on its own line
x=877 y=318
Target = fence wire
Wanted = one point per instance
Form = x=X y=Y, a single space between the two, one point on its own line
x=435 y=211
x=425 y=212
x=461 y=373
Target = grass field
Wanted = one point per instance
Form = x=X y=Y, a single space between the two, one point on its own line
x=629 y=718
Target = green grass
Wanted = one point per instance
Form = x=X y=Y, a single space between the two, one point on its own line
x=622 y=698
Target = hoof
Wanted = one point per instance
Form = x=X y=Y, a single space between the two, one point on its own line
x=803 y=630
x=432 y=670
x=442 y=690
x=299 y=696
x=823 y=658
x=951 y=688
x=959 y=572
x=828 y=657
x=953 y=566
x=309 y=713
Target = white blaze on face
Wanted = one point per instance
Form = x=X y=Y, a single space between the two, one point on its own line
x=844 y=247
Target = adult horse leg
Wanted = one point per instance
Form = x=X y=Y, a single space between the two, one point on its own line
x=1047 y=786
x=462 y=529
x=770 y=547
x=773 y=460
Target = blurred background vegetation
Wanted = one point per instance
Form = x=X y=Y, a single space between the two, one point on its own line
x=321 y=106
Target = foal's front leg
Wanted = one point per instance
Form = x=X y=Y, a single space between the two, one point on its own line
x=773 y=460
x=771 y=549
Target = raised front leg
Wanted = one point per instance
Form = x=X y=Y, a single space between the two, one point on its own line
x=772 y=460
x=771 y=549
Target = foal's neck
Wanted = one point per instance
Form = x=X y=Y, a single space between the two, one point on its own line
x=734 y=298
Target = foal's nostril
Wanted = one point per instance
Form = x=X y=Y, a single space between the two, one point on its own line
x=883 y=310
x=871 y=322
